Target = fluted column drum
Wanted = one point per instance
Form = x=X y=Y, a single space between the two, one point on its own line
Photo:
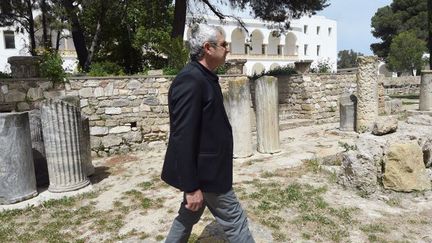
x=267 y=114
x=61 y=124
x=17 y=175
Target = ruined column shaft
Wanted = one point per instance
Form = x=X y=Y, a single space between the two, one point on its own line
x=240 y=117
x=367 y=93
x=17 y=175
x=347 y=110
x=38 y=148
x=426 y=91
x=266 y=100
x=61 y=124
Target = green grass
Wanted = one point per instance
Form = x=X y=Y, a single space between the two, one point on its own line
x=315 y=218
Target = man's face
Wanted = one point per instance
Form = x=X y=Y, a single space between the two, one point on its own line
x=220 y=50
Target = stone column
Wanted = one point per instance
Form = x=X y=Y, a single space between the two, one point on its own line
x=347 y=110
x=17 y=175
x=426 y=91
x=38 y=147
x=86 y=147
x=239 y=96
x=266 y=100
x=61 y=124
x=367 y=93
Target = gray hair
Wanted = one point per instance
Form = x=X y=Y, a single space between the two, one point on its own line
x=201 y=33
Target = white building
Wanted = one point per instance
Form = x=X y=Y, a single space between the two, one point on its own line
x=309 y=39
x=11 y=44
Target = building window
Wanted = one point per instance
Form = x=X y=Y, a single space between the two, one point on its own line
x=279 y=50
x=329 y=31
x=305 y=49
x=305 y=27
x=263 y=49
x=9 y=39
x=246 y=49
x=318 y=30
x=318 y=50
x=297 y=50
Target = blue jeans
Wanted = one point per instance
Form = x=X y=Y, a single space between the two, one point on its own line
x=225 y=208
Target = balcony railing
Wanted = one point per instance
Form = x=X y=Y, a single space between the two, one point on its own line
x=264 y=57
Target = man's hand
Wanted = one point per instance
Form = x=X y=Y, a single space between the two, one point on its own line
x=194 y=200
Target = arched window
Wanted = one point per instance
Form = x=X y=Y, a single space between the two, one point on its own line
x=237 y=42
x=290 y=44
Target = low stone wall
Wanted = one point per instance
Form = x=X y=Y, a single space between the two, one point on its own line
x=131 y=113
x=409 y=85
x=313 y=96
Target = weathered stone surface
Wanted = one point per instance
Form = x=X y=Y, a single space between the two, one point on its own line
x=348 y=103
x=35 y=94
x=23 y=106
x=86 y=92
x=266 y=100
x=425 y=102
x=120 y=103
x=155 y=72
x=119 y=129
x=111 y=140
x=404 y=168
x=15 y=96
x=367 y=93
x=17 y=177
x=361 y=167
x=134 y=84
x=95 y=142
x=97 y=131
x=384 y=125
x=151 y=101
x=54 y=94
x=420 y=120
x=113 y=110
x=135 y=136
x=240 y=117
x=99 y=92
x=61 y=124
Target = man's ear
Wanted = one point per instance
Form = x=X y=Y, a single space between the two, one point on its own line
x=207 y=46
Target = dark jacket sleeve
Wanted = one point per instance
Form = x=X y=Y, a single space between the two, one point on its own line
x=186 y=108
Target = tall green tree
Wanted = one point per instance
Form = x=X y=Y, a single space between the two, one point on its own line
x=348 y=58
x=406 y=52
x=280 y=11
x=400 y=16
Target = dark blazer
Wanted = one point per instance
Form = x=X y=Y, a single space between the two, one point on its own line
x=200 y=147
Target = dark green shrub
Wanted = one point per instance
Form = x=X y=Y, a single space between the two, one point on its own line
x=51 y=66
x=5 y=75
x=106 y=68
x=285 y=70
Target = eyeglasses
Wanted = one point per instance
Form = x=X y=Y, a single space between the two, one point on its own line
x=223 y=44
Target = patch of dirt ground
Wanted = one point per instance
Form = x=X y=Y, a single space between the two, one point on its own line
x=287 y=196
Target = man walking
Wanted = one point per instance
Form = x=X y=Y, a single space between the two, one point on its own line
x=198 y=160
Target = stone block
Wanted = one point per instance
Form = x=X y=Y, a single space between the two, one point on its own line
x=120 y=103
x=424 y=120
x=134 y=84
x=35 y=94
x=46 y=85
x=54 y=94
x=111 y=140
x=97 y=131
x=119 y=129
x=15 y=96
x=86 y=92
x=385 y=125
x=135 y=137
x=113 y=110
x=91 y=83
x=151 y=101
x=404 y=168
x=99 y=92
x=4 y=89
x=23 y=106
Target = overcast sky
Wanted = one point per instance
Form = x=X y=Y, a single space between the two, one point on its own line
x=354 y=22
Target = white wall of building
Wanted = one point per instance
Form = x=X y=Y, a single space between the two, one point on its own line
x=316 y=35
x=21 y=44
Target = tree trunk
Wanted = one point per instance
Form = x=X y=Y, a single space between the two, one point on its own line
x=94 y=43
x=179 y=18
x=31 y=28
x=77 y=34
x=429 y=7
x=46 y=41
